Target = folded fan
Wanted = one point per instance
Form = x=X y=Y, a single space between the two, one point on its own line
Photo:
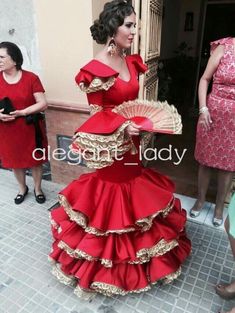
x=152 y=116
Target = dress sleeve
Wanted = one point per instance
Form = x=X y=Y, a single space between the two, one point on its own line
x=137 y=62
x=103 y=135
x=36 y=84
x=215 y=44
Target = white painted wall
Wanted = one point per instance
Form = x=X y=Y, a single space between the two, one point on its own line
x=17 y=24
x=65 y=45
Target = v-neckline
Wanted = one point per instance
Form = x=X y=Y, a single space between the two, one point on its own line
x=118 y=77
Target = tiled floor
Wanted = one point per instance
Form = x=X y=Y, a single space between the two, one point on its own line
x=27 y=286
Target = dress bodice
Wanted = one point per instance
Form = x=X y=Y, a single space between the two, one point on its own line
x=224 y=77
x=113 y=90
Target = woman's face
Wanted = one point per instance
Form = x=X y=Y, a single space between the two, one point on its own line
x=6 y=62
x=126 y=32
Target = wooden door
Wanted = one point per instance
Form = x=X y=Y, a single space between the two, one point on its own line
x=147 y=43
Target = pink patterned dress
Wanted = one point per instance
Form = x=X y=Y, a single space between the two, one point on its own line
x=216 y=147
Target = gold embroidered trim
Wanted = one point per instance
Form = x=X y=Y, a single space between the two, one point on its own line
x=62 y=277
x=81 y=220
x=103 y=288
x=94 y=108
x=79 y=254
x=53 y=223
x=162 y=247
x=109 y=290
x=77 y=217
x=169 y=278
x=100 y=150
x=97 y=84
x=85 y=294
x=146 y=223
x=143 y=255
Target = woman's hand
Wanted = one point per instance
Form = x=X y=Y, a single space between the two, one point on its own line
x=133 y=129
x=18 y=113
x=6 y=117
x=205 y=120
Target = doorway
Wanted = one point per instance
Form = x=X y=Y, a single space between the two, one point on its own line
x=218 y=22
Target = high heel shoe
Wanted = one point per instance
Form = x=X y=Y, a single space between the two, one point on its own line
x=217 y=221
x=194 y=213
x=224 y=293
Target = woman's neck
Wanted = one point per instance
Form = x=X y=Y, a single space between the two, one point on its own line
x=12 y=76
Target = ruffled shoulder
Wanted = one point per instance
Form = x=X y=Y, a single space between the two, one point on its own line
x=95 y=76
x=222 y=41
x=137 y=61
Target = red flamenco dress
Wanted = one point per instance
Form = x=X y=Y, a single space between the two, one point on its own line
x=118 y=230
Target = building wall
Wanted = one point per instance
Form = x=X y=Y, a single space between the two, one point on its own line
x=17 y=24
x=65 y=45
x=97 y=7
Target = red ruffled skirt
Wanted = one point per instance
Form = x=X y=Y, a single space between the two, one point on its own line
x=118 y=230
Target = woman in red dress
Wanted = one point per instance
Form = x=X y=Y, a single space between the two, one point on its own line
x=18 y=138
x=118 y=230
x=215 y=144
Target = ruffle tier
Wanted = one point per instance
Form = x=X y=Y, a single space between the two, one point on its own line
x=118 y=238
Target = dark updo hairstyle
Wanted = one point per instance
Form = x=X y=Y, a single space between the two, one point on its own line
x=14 y=52
x=110 y=19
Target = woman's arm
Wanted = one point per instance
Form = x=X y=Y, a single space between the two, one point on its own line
x=211 y=67
x=40 y=105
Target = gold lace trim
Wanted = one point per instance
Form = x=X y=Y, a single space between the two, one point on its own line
x=109 y=290
x=53 y=223
x=143 y=255
x=62 y=277
x=100 y=150
x=147 y=222
x=161 y=248
x=85 y=294
x=82 y=221
x=97 y=84
x=103 y=288
x=79 y=254
x=169 y=278
x=77 y=217
x=94 y=108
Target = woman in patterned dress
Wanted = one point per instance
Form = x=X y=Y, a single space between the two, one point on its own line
x=215 y=143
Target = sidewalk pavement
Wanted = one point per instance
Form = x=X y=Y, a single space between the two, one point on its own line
x=27 y=286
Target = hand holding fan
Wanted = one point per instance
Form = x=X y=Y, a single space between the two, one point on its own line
x=152 y=116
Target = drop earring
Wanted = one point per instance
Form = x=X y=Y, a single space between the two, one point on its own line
x=112 y=47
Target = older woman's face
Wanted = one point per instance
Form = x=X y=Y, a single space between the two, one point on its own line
x=6 y=62
x=126 y=32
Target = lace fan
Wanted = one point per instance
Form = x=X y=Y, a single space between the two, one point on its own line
x=152 y=116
